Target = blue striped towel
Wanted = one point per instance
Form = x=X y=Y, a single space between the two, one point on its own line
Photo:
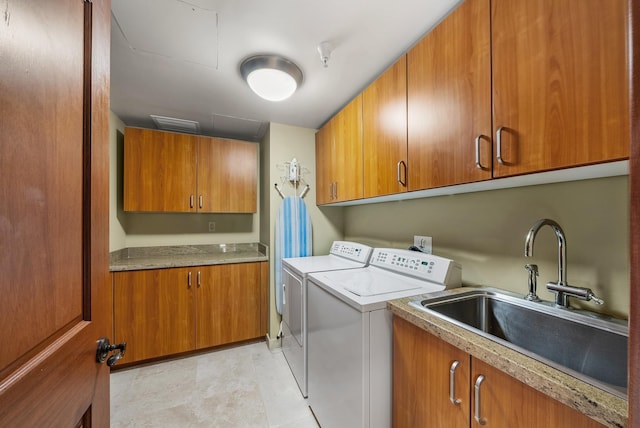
x=292 y=238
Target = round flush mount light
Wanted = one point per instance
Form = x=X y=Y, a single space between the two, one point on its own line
x=271 y=77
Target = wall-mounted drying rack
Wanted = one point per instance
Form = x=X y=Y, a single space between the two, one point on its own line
x=294 y=175
x=302 y=194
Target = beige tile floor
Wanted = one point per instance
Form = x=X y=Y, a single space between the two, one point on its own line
x=245 y=386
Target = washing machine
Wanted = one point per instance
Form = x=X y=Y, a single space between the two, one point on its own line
x=342 y=255
x=351 y=334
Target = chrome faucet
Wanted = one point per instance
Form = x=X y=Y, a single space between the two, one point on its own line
x=561 y=288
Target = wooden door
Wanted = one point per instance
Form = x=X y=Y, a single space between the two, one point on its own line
x=347 y=152
x=325 y=138
x=154 y=312
x=227 y=175
x=507 y=402
x=54 y=255
x=634 y=229
x=560 y=83
x=449 y=100
x=385 y=132
x=421 y=375
x=228 y=304
x=159 y=171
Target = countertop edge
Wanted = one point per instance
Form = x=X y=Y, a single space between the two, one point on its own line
x=162 y=257
x=595 y=403
x=187 y=263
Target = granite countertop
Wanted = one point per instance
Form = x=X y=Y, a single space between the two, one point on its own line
x=140 y=258
x=598 y=404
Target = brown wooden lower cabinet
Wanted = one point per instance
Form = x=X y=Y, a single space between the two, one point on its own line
x=161 y=312
x=423 y=394
x=227 y=304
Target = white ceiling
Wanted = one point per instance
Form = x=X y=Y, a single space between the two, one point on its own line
x=180 y=58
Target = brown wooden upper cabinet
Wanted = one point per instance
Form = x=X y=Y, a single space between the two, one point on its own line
x=385 y=132
x=449 y=101
x=324 y=163
x=560 y=83
x=166 y=171
x=498 y=88
x=339 y=156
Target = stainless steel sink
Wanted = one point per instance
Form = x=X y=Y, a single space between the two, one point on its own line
x=589 y=347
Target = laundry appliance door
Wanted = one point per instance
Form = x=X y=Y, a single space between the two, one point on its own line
x=293 y=327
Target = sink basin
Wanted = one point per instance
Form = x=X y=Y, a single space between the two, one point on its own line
x=591 y=348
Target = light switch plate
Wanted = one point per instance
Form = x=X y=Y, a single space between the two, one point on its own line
x=422 y=242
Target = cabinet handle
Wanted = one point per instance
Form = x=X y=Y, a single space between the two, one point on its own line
x=478 y=418
x=189 y=279
x=191 y=201
x=200 y=202
x=403 y=183
x=335 y=190
x=198 y=279
x=452 y=383
x=478 y=164
x=499 y=145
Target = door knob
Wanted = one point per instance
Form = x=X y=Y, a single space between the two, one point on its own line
x=104 y=347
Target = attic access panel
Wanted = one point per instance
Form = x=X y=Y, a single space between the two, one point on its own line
x=157 y=27
x=239 y=128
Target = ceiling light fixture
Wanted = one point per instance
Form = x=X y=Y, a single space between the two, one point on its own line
x=272 y=77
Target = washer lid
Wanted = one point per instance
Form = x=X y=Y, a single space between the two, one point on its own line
x=302 y=266
x=376 y=288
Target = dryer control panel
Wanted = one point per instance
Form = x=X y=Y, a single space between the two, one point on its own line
x=423 y=266
x=351 y=250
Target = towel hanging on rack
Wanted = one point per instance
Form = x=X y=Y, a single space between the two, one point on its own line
x=293 y=238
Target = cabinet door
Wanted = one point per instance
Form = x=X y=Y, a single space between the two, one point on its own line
x=227 y=175
x=385 y=132
x=347 y=152
x=560 y=83
x=153 y=312
x=264 y=298
x=324 y=164
x=228 y=304
x=422 y=365
x=449 y=100
x=507 y=402
x=159 y=171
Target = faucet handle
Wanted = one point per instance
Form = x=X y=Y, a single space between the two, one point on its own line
x=532 y=269
x=566 y=290
x=596 y=299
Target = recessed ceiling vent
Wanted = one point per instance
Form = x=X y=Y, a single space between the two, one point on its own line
x=176 y=125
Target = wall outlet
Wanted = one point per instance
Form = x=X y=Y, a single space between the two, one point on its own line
x=422 y=242
x=212 y=226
